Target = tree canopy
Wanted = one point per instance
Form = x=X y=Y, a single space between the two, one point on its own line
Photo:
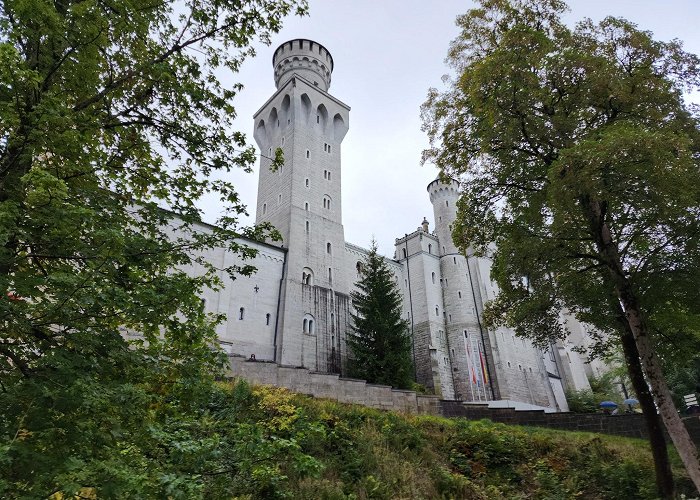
x=113 y=123
x=379 y=342
x=581 y=161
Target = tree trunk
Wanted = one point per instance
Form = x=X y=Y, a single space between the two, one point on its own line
x=608 y=251
x=657 y=440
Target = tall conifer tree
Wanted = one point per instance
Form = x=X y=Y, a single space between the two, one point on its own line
x=379 y=342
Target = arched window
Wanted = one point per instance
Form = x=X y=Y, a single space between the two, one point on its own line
x=267 y=319
x=430 y=248
x=264 y=208
x=306 y=206
x=308 y=153
x=306 y=182
x=307 y=226
x=308 y=323
x=307 y=276
x=437 y=311
x=241 y=313
x=328 y=248
x=432 y=276
x=330 y=275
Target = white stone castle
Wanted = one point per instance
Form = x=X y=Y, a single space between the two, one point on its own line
x=295 y=309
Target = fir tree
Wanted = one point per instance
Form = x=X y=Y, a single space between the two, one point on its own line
x=379 y=342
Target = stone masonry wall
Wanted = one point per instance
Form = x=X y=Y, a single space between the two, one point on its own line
x=332 y=386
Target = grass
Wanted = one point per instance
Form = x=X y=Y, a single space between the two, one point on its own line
x=362 y=453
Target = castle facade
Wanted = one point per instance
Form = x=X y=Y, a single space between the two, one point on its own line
x=295 y=310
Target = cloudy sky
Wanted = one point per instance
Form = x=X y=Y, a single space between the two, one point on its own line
x=387 y=53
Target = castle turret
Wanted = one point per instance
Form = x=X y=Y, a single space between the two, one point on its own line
x=305 y=58
x=469 y=343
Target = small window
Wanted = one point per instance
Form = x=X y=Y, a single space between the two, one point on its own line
x=430 y=248
x=432 y=276
x=330 y=275
x=318 y=119
x=508 y=364
x=447 y=203
x=308 y=153
x=279 y=199
x=328 y=248
x=454 y=259
x=306 y=325
x=278 y=123
x=403 y=251
x=264 y=208
x=329 y=148
x=306 y=206
x=306 y=182
x=443 y=250
x=307 y=226
x=358 y=266
x=437 y=311
x=241 y=313
x=329 y=176
x=459 y=294
x=520 y=367
x=325 y=147
x=325 y=174
x=450 y=317
x=267 y=319
x=282 y=141
x=270 y=150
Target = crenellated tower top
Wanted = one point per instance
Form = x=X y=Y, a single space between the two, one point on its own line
x=306 y=58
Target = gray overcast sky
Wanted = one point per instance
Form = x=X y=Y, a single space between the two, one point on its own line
x=387 y=53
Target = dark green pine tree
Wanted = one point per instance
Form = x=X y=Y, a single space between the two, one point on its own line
x=379 y=341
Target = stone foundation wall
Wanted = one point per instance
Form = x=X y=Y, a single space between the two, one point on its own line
x=332 y=386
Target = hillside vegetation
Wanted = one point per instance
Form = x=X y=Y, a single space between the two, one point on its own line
x=245 y=442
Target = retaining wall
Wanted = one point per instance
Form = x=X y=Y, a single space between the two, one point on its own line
x=332 y=386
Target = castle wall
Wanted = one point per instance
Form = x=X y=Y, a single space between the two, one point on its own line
x=418 y=252
x=250 y=303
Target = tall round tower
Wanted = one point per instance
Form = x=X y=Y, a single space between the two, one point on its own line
x=444 y=196
x=306 y=58
x=469 y=343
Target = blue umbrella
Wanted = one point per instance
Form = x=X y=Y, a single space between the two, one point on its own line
x=608 y=404
x=631 y=401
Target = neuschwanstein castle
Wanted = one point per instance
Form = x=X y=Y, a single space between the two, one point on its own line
x=295 y=309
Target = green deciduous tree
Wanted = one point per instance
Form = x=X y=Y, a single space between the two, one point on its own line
x=379 y=342
x=111 y=112
x=581 y=162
